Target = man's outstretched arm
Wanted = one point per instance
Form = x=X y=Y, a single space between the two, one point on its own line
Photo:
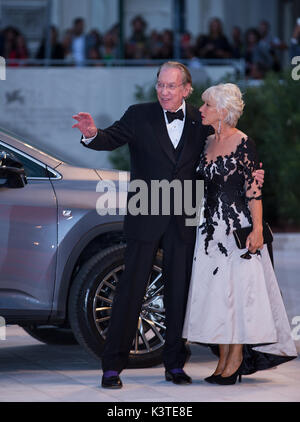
x=118 y=134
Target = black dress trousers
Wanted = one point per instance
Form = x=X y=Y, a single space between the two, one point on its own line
x=130 y=291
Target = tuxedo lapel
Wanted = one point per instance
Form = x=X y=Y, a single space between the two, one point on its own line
x=159 y=126
x=189 y=137
x=189 y=134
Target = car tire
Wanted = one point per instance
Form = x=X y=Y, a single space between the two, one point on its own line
x=90 y=303
x=51 y=334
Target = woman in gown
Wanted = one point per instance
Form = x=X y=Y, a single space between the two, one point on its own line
x=234 y=304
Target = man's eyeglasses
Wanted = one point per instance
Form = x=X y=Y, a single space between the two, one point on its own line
x=170 y=87
x=248 y=254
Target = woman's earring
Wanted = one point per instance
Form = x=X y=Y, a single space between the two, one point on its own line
x=219 y=128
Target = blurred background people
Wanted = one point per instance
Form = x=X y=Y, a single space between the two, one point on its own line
x=166 y=50
x=237 y=45
x=295 y=41
x=214 y=45
x=136 y=46
x=14 y=45
x=273 y=44
x=1 y=44
x=258 y=57
x=185 y=44
x=93 y=44
x=56 y=49
x=79 y=42
x=109 y=48
x=155 y=44
x=261 y=50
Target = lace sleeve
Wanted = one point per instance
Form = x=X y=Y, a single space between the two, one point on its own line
x=250 y=164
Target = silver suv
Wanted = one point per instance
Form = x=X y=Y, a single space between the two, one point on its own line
x=60 y=260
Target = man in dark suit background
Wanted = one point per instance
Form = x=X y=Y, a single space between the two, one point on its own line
x=165 y=140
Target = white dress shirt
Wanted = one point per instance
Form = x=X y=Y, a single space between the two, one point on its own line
x=174 y=128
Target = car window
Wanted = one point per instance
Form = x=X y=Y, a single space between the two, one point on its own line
x=31 y=168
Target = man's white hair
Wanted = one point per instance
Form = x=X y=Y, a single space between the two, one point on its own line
x=186 y=75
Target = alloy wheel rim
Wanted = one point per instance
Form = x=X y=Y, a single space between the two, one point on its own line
x=150 y=333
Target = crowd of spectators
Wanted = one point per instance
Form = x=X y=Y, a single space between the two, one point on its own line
x=260 y=50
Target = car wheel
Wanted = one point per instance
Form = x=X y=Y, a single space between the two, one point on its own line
x=90 y=303
x=51 y=334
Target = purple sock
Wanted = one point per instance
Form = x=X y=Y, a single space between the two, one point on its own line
x=107 y=374
x=176 y=371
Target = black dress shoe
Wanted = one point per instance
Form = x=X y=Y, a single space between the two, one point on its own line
x=178 y=378
x=112 y=382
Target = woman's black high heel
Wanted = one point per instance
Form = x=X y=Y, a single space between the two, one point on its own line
x=212 y=378
x=231 y=379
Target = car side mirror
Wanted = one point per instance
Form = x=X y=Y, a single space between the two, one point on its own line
x=12 y=173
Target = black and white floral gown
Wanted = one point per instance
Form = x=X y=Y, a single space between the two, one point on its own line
x=234 y=300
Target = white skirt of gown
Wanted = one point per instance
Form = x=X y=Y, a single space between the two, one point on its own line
x=234 y=300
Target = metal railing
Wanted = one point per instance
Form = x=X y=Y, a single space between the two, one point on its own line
x=237 y=64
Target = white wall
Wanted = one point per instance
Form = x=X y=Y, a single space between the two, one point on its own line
x=38 y=103
x=42 y=102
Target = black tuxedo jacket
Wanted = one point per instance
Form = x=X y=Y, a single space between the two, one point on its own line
x=153 y=157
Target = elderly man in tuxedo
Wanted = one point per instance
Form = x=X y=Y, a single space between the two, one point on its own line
x=165 y=140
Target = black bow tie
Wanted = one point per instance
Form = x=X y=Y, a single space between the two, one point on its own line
x=173 y=116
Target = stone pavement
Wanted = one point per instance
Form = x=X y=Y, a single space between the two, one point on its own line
x=31 y=371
